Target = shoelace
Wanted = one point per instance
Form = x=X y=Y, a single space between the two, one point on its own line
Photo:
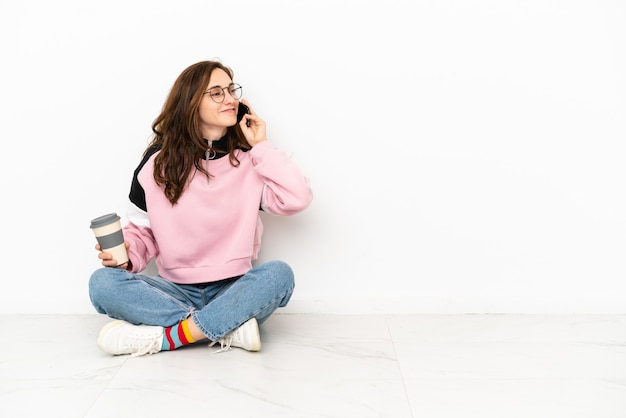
x=148 y=346
x=225 y=343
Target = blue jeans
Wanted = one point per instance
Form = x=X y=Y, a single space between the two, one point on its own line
x=216 y=309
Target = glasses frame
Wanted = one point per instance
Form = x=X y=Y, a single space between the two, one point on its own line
x=230 y=87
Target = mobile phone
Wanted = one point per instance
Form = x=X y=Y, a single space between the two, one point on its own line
x=243 y=109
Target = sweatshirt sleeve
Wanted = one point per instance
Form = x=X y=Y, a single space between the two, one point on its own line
x=138 y=232
x=287 y=191
x=142 y=246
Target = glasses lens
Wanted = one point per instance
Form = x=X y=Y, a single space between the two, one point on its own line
x=235 y=91
x=217 y=94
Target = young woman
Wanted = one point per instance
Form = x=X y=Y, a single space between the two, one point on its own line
x=194 y=207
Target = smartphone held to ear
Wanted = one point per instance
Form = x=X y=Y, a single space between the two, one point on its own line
x=243 y=109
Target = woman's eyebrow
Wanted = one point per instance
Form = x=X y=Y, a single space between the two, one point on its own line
x=218 y=85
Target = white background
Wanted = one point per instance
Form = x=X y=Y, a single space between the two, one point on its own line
x=466 y=156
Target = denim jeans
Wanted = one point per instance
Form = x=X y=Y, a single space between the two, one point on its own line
x=216 y=309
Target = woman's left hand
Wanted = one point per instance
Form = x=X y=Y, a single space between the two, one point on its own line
x=254 y=133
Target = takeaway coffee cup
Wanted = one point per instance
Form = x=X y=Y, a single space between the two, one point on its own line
x=108 y=231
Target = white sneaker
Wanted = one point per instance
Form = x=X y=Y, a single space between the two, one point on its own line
x=246 y=336
x=120 y=337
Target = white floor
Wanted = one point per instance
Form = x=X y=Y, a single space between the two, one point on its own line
x=430 y=366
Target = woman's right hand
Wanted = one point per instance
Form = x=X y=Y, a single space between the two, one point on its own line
x=107 y=258
x=252 y=126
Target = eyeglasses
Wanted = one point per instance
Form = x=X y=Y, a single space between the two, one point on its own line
x=218 y=94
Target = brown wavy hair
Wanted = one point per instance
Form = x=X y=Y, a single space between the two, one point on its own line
x=177 y=131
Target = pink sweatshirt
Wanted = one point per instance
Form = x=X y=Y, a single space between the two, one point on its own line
x=214 y=230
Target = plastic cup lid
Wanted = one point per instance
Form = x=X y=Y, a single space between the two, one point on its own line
x=104 y=220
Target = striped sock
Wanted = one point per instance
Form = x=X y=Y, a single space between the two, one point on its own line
x=176 y=336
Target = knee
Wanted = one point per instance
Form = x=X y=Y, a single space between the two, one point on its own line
x=284 y=281
x=283 y=273
x=98 y=279
x=102 y=281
